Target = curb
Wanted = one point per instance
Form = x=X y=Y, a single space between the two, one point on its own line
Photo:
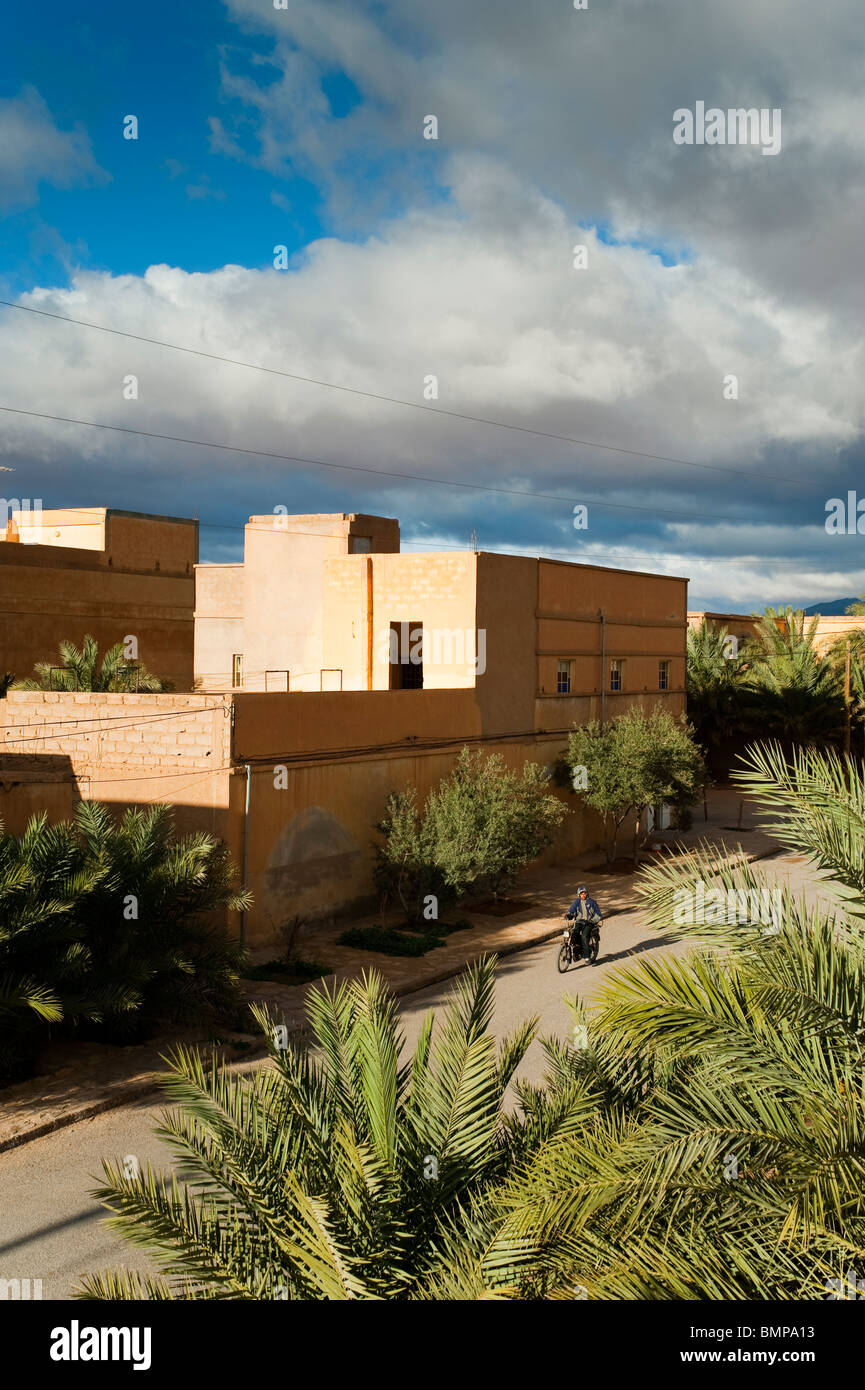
x=138 y=1087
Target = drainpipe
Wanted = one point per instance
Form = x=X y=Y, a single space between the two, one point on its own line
x=603 y=620
x=369 y=622
x=245 y=851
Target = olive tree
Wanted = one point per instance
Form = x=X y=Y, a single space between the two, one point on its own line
x=638 y=760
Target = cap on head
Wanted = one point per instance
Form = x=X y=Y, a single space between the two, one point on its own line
x=582 y=889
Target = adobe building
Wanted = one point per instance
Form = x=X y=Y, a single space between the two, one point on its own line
x=329 y=603
x=830 y=627
x=113 y=574
x=742 y=626
x=259 y=624
x=404 y=659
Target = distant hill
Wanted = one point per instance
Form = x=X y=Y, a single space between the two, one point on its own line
x=836 y=607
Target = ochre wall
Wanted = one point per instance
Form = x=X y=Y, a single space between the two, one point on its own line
x=282 y=580
x=278 y=725
x=437 y=591
x=830 y=628
x=121 y=749
x=218 y=624
x=311 y=835
x=51 y=592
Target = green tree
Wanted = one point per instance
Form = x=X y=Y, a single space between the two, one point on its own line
x=477 y=831
x=485 y=823
x=633 y=762
x=82 y=670
x=405 y=860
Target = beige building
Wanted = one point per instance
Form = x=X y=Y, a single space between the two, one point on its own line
x=330 y=603
x=405 y=659
x=829 y=629
x=259 y=625
x=113 y=574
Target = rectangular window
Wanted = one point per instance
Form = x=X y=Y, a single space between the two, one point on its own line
x=406 y=656
x=237 y=669
x=563 y=678
x=359 y=545
x=663 y=675
x=616 y=674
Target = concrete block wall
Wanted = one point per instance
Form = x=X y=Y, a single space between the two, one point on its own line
x=57 y=749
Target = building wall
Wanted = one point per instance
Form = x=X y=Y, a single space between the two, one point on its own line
x=830 y=628
x=742 y=626
x=364 y=594
x=320 y=766
x=120 y=749
x=218 y=624
x=282 y=598
x=133 y=578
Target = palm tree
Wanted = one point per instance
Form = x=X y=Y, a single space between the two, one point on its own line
x=794 y=693
x=343 y=1171
x=107 y=927
x=720 y=1151
x=81 y=670
x=7 y=679
x=715 y=682
x=704 y=1137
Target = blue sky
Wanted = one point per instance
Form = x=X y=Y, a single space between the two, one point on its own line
x=163 y=65
x=408 y=257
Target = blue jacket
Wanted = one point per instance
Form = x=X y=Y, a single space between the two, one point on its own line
x=581 y=910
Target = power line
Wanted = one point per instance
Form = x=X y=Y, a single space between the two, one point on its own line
x=375 y=472
x=93 y=719
x=404 y=540
x=394 y=400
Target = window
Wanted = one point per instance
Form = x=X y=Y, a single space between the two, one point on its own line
x=359 y=545
x=406 y=656
x=616 y=674
x=663 y=675
x=237 y=669
x=563 y=678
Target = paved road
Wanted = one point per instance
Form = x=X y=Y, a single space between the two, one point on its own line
x=50 y=1226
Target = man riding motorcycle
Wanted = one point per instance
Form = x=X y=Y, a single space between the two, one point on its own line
x=584 y=912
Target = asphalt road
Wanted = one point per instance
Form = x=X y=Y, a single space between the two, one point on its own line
x=51 y=1228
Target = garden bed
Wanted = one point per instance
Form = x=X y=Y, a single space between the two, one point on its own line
x=405 y=940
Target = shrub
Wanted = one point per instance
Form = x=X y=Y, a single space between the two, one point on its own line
x=390 y=940
x=479 y=828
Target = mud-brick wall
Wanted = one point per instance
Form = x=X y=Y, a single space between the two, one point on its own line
x=56 y=749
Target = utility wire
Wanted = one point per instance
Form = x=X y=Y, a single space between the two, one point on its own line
x=375 y=472
x=395 y=400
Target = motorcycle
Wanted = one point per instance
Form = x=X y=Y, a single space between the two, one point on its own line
x=571 y=947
